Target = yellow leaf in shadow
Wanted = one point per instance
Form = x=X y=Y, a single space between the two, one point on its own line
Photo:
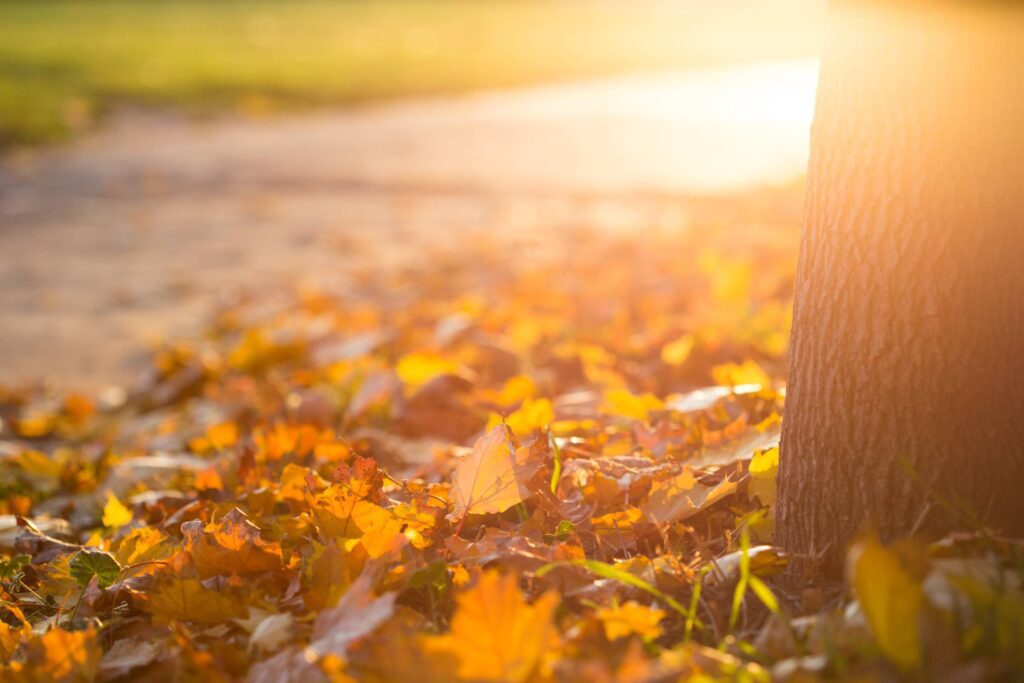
x=189 y=600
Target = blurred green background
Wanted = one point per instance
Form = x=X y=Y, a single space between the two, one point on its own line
x=64 y=63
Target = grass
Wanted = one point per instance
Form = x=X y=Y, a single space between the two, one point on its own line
x=63 y=63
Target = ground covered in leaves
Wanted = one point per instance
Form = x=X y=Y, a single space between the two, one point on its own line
x=551 y=460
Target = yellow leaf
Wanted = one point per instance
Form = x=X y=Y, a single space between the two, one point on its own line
x=683 y=496
x=515 y=390
x=532 y=415
x=143 y=544
x=617 y=521
x=223 y=435
x=735 y=374
x=43 y=470
x=495 y=634
x=493 y=477
x=891 y=599
x=764 y=467
x=416 y=369
x=115 y=514
x=623 y=403
x=631 y=617
x=381 y=530
x=676 y=352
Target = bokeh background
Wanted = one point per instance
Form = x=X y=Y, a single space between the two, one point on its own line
x=163 y=159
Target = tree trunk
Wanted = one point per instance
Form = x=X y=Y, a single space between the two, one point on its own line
x=905 y=403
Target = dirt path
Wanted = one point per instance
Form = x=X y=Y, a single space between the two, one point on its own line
x=133 y=233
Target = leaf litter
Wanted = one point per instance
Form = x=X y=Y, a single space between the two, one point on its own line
x=551 y=461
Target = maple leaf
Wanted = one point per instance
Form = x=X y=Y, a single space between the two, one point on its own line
x=188 y=600
x=231 y=546
x=494 y=476
x=341 y=513
x=381 y=530
x=495 y=635
x=631 y=617
x=141 y=545
x=329 y=572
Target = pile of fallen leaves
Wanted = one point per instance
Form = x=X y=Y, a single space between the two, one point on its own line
x=532 y=460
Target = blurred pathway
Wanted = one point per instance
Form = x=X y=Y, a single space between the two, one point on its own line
x=132 y=233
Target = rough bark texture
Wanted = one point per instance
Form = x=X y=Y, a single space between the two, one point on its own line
x=908 y=328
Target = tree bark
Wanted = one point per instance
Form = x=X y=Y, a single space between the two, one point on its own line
x=905 y=403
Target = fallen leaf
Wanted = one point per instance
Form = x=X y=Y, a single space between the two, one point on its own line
x=91 y=563
x=495 y=634
x=622 y=621
x=127 y=655
x=271 y=632
x=493 y=477
x=892 y=600
x=230 y=546
x=115 y=514
x=676 y=352
x=682 y=497
x=738 y=374
x=61 y=657
x=188 y=600
x=532 y=415
x=357 y=614
x=623 y=403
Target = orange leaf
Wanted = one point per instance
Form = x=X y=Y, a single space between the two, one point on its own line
x=61 y=656
x=495 y=634
x=189 y=600
x=231 y=546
